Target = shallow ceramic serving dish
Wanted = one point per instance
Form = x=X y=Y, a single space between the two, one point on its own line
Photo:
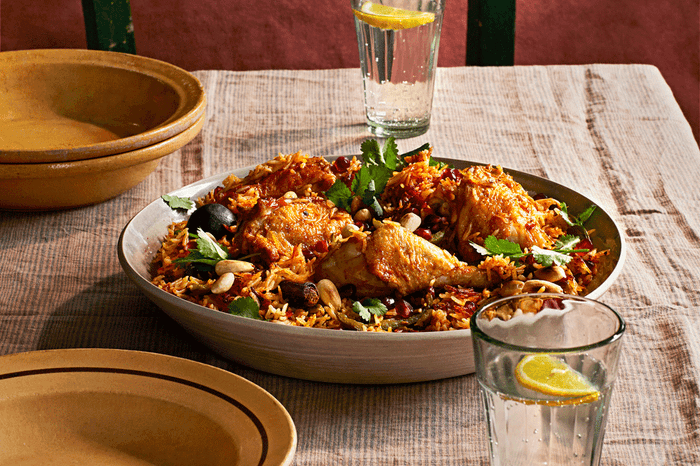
x=118 y=407
x=321 y=354
x=61 y=105
x=52 y=186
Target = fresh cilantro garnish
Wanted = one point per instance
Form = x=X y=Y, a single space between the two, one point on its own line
x=573 y=221
x=207 y=252
x=340 y=195
x=547 y=257
x=245 y=307
x=368 y=307
x=559 y=255
x=369 y=183
x=379 y=164
x=178 y=202
x=494 y=247
x=208 y=247
x=420 y=149
x=388 y=157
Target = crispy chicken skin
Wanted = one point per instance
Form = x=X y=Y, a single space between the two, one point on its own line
x=394 y=259
x=490 y=202
x=276 y=226
x=295 y=173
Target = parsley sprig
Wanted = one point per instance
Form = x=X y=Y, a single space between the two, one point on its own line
x=207 y=252
x=570 y=219
x=245 y=307
x=559 y=254
x=369 y=307
x=379 y=164
x=175 y=202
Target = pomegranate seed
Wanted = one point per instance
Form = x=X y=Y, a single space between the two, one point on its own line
x=424 y=233
x=342 y=163
x=403 y=309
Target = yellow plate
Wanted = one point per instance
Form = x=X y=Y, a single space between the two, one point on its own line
x=117 y=407
x=62 y=105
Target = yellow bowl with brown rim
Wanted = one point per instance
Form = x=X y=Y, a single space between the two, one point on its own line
x=63 y=185
x=64 y=105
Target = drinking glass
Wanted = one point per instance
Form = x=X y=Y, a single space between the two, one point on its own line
x=546 y=364
x=398 y=42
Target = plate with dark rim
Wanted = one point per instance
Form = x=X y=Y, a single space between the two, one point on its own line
x=119 y=407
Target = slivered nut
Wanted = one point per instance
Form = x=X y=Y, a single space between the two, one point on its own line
x=290 y=195
x=355 y=204
x=329 y=294
x=349 y=229
x=410 y=221
x=233 y=266
x=223 y=283
x=511 y=288
x=538 y=286
x=363 y=215
x=551 y=274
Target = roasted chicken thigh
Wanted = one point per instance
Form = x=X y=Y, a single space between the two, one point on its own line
x=392 y=259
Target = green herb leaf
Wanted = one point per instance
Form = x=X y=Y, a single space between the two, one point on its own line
x=371 y=153
x=379 y=165
x=340 y=195
x=564 y=213
x=208 y=247
x=570 y=219
x=586 y=214
x=548 y=258
x=391 y=154
x=368 y=307
x=245 y=307
x=420 y=149
x=558 y=255
x=567 y=242
x=207 y=252
x=196 y=257
x=178 y=202
x=368 y=184
x=497 y=246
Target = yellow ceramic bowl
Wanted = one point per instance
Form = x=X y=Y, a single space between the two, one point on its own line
x=53 y=186
x=65 y=105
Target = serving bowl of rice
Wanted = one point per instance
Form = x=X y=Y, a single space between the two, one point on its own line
x=316 y=343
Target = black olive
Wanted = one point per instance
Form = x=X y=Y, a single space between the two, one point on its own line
x=211 y=218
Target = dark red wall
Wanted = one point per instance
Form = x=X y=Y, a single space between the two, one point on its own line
x=278 y=34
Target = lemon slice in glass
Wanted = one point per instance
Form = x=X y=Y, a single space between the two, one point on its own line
x=388 y=17
x=551 y=376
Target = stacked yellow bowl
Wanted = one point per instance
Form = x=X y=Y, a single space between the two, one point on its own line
x=78 y=127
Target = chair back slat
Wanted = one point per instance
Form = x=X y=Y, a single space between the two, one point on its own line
x=108 y=25
x=490 y=32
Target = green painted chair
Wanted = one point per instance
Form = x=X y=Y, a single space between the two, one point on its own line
x=490 y=32
x=490 y=29
x=108 y=25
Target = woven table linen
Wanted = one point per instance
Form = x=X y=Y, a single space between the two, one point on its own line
x=614 y=133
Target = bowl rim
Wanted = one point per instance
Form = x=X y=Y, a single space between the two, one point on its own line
x=188 y=87
x=97 y=164
x=259 y=326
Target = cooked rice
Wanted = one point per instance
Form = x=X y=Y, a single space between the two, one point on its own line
x=420 y=188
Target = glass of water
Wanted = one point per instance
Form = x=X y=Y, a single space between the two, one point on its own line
x=398 y=42
x=546 y=364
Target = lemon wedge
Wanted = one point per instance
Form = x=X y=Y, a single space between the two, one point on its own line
x=551 y=376
x=389 y=17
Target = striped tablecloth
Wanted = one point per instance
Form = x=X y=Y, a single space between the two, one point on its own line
x=612 y=132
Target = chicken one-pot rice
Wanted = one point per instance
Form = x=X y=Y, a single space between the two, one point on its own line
x=390 y=243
